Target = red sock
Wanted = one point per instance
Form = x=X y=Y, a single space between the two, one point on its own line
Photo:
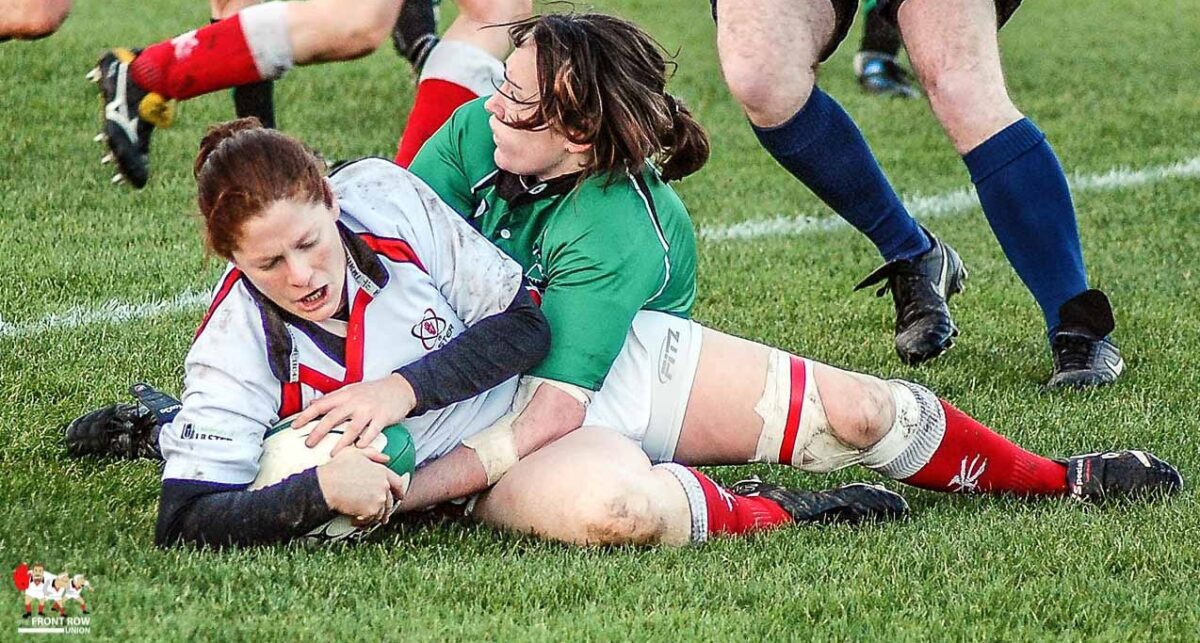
x=436 y=100
x=734 y=515
x=973 y=458
x=197 y=62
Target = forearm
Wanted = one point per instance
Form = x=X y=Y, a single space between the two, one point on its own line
x=195 y=513
x=550 y=415
x=486 y=354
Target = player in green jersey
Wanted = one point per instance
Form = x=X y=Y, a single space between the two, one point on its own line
x=558 y=168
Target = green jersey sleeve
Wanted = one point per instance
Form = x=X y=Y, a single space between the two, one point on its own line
x=458 y=156
x=600 y=272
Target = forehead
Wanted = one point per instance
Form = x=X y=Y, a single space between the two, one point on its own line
x=279 y=224
x=521 y=66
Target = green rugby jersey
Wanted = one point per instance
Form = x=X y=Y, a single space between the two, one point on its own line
x=596 y=254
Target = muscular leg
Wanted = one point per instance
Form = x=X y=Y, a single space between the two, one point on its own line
x=1024 y=193
x=593 y=486
x=31 y=19
x=256 y=99
x=769 y=52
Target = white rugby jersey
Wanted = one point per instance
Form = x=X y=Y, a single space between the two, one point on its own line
x=417 y=275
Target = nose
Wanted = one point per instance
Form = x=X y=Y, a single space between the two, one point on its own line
x=300 y=272
x=492 y=105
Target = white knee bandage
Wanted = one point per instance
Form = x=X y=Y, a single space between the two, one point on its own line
x=915 y=434
x=795 y=429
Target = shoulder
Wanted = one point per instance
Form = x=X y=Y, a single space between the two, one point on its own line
x=622 y=214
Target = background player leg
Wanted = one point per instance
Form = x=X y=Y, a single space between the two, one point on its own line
x=255 y=99
x=31 y=19
x=875 y=63
x=1021 y=185
x=769 y=52
x=466 y=64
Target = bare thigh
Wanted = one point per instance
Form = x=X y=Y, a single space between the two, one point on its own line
x=954 y=49
x=593 y=486
x=769 y=51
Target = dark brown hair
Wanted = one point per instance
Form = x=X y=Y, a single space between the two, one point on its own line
x=242 y=168
x=602 y=80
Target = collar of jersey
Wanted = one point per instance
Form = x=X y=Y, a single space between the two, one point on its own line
x=519 y=190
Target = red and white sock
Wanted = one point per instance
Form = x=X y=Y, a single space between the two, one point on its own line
x=455 y=73
x=250 y=46
x=715 y=511
x=935 y=446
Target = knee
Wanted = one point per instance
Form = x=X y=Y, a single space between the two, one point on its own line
x=364 y=26
x=43 y=19
x=862 y=412
x=621 y=515
x=495 y=11
x=768 y=97
x=960 y=95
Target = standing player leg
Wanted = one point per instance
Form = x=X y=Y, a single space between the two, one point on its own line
x=259 y=43
x=464 y=65
x=875 y=63
x=814 y=139
x=256 y=99
x=1020 y=182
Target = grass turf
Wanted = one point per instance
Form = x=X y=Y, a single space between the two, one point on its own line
x=1104 y=81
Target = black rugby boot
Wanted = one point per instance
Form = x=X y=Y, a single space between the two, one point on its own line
x=128 y=430
x=1100 y=476
x=921 y=288
x=850 y=504
x=1084 y=356
x=415 y=32
x=130 y=115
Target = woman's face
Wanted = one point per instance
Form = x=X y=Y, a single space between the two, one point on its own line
x=543 y=153
x=293 y=254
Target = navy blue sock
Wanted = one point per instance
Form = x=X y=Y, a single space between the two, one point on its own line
x=1025 y=196
x=823 y=148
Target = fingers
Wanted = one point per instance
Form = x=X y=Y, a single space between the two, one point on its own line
x=331 y=419
x=375 y=455
x=396 y=484
x=314 y=411
x=351 y=431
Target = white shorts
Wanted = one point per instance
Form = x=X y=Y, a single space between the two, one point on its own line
x=37 y=592
x=645 y=395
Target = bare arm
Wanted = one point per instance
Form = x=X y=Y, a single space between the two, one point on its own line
x=550 y=415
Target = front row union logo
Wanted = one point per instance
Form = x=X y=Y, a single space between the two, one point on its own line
x=44 y=589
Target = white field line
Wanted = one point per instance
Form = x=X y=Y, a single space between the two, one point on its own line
x=951 y=203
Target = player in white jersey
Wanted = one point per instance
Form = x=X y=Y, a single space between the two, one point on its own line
x=386 y=296
x=74 y=591
x=35 y=590
x=56 y=587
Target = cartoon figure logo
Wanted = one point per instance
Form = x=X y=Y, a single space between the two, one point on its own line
x=42 y=587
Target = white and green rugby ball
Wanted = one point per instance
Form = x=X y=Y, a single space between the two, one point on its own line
x=284 y=454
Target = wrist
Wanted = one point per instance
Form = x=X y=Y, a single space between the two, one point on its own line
x=405 y=392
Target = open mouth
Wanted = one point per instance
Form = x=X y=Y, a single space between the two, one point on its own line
x=314 y=299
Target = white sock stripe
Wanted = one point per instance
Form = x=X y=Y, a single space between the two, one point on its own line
x=948 y=203
x=695 y=496
x=266 y=29
x=464 y=64
x=922 y=441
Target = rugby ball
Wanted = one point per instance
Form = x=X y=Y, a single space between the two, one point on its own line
x=284 y=454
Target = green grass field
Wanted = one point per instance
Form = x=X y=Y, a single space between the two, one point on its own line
x=1113 y=84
